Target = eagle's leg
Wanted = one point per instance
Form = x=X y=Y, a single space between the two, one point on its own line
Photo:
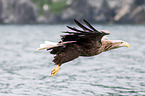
x=55 y=70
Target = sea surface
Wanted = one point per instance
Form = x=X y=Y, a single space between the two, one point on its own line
x=26 y=72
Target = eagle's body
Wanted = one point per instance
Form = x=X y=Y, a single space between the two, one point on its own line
x=86 y=42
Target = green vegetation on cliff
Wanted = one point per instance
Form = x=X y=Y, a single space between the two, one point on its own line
x=52 y=6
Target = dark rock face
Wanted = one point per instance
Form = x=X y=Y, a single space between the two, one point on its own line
x=25 y=12
x=17 y=11
x=79 y=9
x=1 y=7
x=2 y=11
x=104 y=13
x=138 y=12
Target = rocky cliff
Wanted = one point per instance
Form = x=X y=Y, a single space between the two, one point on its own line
x=63 y=11
x=17 y=11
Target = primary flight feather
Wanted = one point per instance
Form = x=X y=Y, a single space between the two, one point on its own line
x=86 y=42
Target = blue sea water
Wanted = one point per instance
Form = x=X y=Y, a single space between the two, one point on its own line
x=26 y=72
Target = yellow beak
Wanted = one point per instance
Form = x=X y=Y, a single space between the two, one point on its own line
x=126 y=44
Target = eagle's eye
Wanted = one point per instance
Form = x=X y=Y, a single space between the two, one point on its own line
x=121 y=42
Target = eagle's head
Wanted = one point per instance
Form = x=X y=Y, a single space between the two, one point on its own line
x=113 y=44
x=120 y=43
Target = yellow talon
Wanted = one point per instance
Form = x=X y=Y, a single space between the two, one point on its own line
x=55 y=70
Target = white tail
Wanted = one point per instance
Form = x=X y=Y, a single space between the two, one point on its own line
x=47 y=45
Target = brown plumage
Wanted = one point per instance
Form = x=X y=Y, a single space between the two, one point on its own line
x=86 y=42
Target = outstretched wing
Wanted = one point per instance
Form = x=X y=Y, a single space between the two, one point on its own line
x=87 y=35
